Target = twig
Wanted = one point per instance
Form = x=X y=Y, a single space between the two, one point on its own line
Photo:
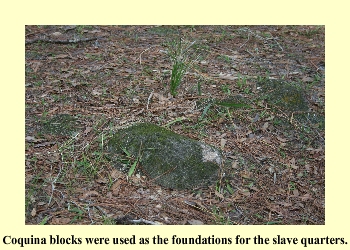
x=245 y=42
x=146 y=221
x=88 y=209
x=274 y=38
x=149 y=98
x=250 y=53
x=145 y=51
x=53 y=186
x=61 y=41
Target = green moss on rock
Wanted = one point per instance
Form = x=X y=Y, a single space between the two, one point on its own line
x=286 y=95
x=60 y=124
x=172 y=160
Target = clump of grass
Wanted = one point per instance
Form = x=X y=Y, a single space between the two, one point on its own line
x=182 y=57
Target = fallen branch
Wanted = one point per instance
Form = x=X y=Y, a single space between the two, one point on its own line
x=61 y=41
x=53 y=186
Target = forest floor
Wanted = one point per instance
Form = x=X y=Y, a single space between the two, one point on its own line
x=109 y=77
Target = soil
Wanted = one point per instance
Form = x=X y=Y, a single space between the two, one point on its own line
x=255 y=92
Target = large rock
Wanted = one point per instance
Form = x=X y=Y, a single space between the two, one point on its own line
x=171 y=160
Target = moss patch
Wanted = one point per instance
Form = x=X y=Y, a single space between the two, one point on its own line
x=172 y=160
x=286 y=95
x=61 y=124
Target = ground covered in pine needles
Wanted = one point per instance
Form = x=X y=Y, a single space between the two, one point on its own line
x=255 y=92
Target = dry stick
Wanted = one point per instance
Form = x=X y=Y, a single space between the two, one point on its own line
x=274 y=38
x=53 y=186
x=245 y=42
x=250 y=53
x=61 y=41
x=317 y=68
x=145 y=51
x=88 y=209
x=149 y=98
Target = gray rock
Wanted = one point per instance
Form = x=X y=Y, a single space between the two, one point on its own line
x=171 y=160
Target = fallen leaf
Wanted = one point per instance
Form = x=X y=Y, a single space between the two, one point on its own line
x=57 y=34
x=245 y=175
x=305 y=197
x=245 y=192
x=116 y=174
x=87 y=130
x=270 y=118
x=33 y=139
x=256 y=118
x=89 y=194
x=116 y=187
x=285 y=204
x=52 y=110
x=61 y=56
x=96 y=92
x=307 y=79
x=44 y=144
x=227 y=76
x=295 y=192
x=102 y=180
x=222 y=143
x=292 y=163
x=265 y=126
x=281 y=139
x=60 y=221
x=195 y=222
x=235 y=164
x=36 y=66
x=242 y=139
x=94 y=31
x=149 y=81
x=160 y=97
x=33 y=213
x=219 y=195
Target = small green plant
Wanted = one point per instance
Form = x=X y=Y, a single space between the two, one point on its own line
x=224 y=58
x=129 y=161
x=241 y=83
x=226 y=89
x=79 y=214
x=220 y=217
x=258 y=216
x=273 y=222
x=229 y=188
x=43 y=222
x=182 y=58
x=86 y=167
x=108 y=221
x=291 y=186
x=199 y=87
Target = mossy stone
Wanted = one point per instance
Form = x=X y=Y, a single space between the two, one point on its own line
x=60 y=124
x=171 y=160
x=286 y=95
